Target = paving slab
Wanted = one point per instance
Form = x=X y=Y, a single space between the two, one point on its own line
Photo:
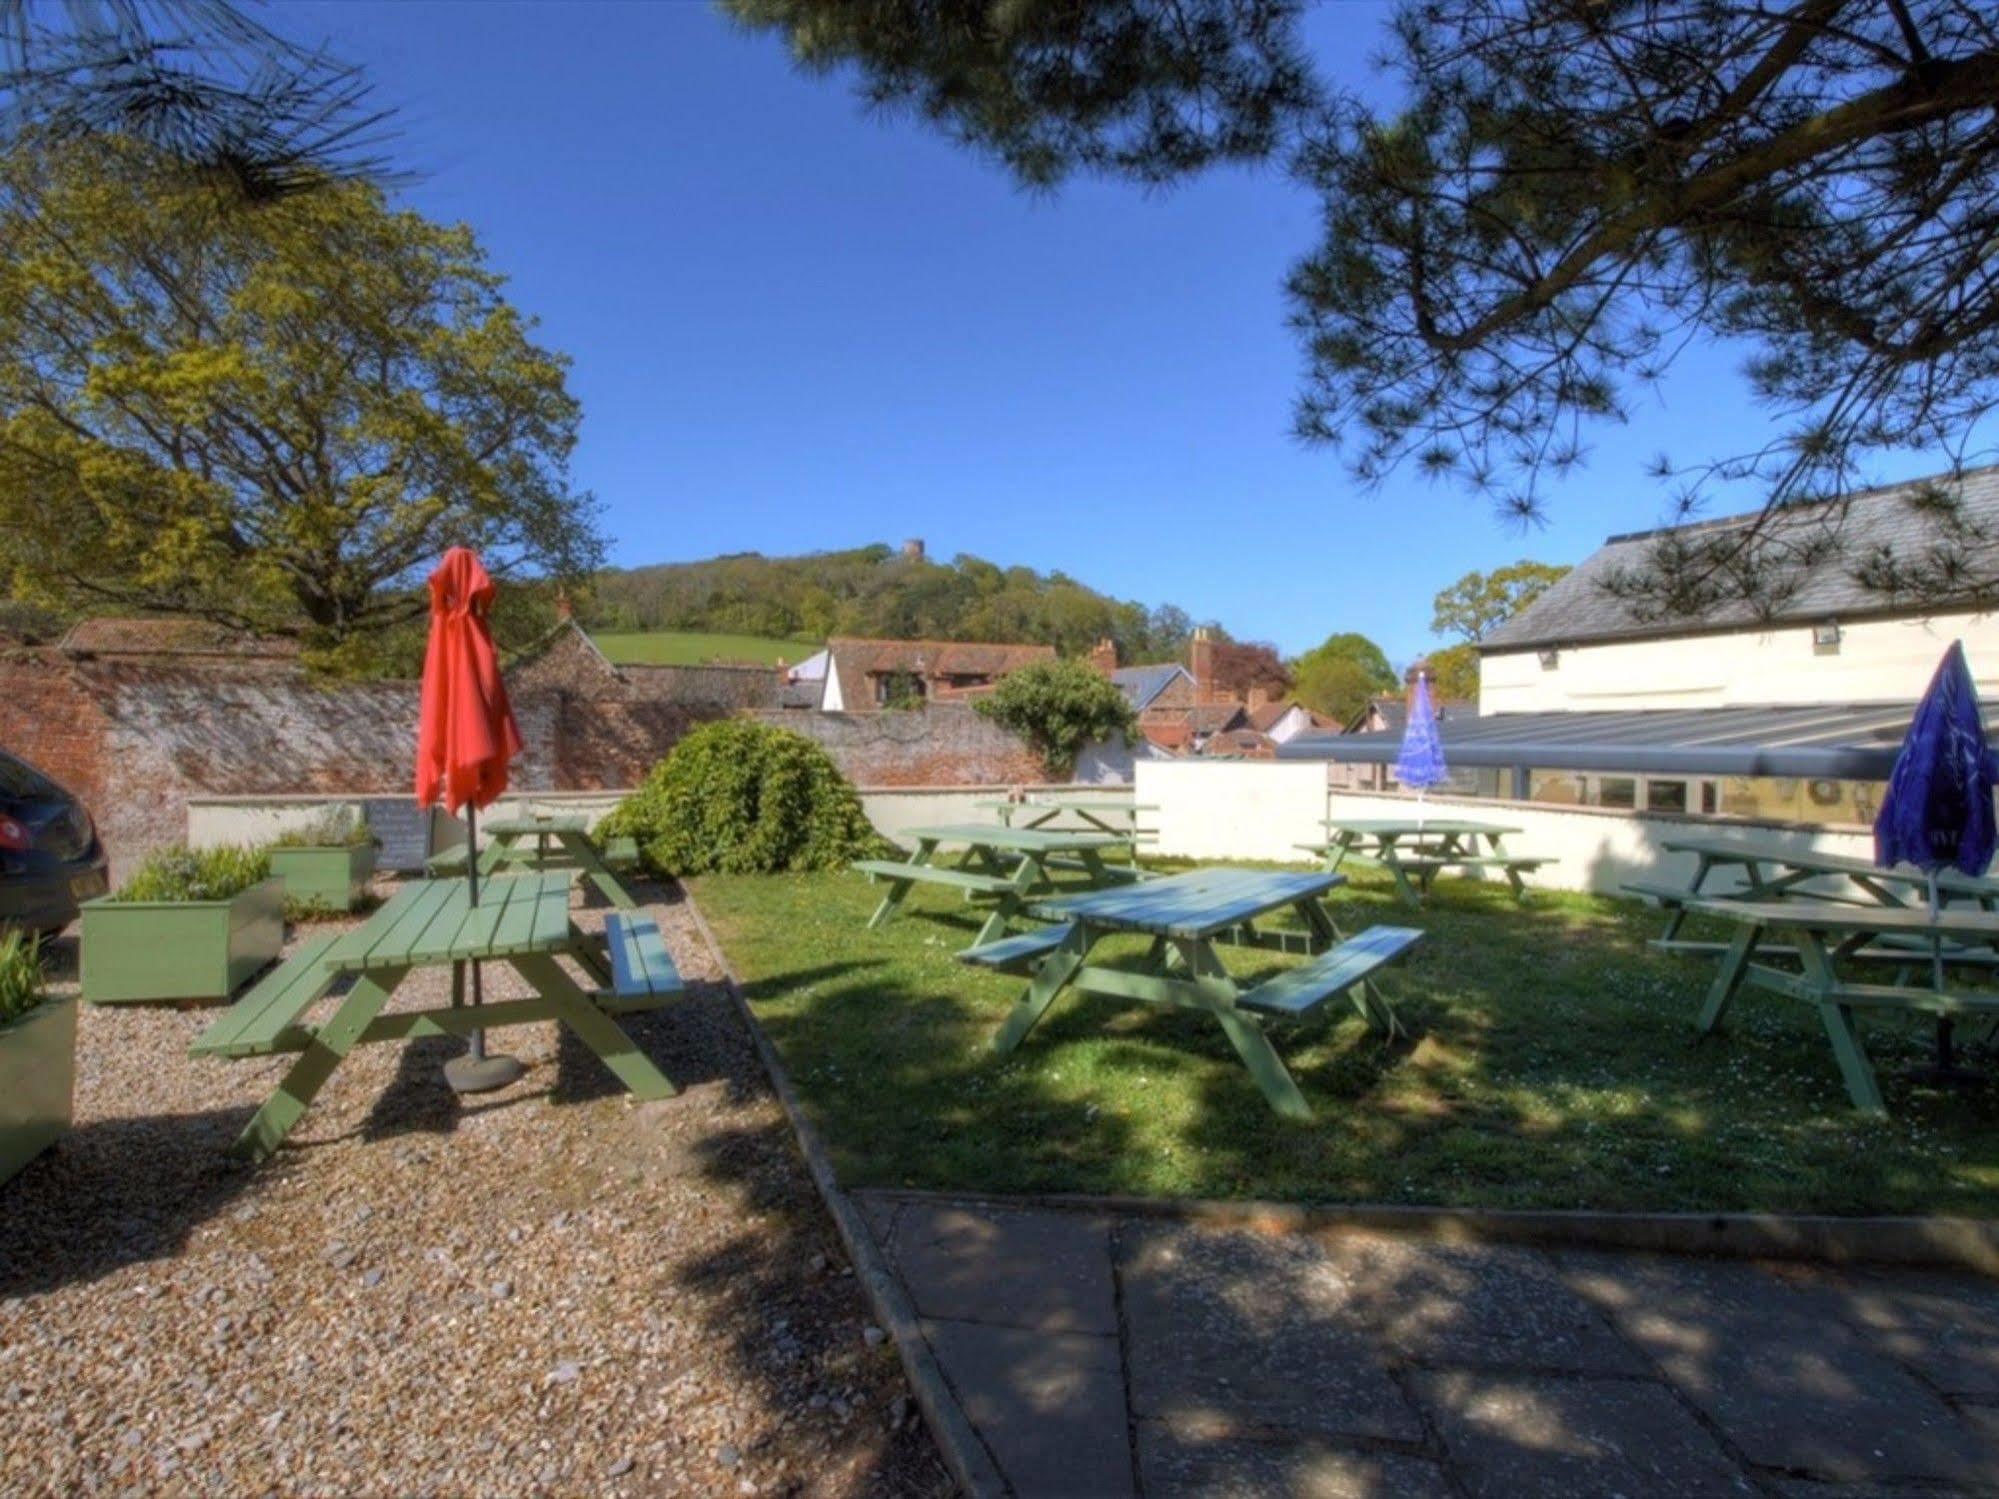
x=1559 y=1437
x=1474 y=1304
x=1767 y=1358
x=1945 y=1327
x=879 y=1213
x=1050 y=1407
x=1183 y=1463
x=1251 y=1333
x=1041 y=1270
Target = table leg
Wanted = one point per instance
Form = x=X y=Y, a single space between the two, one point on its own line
x=1727 y=978
x=579 y=847
x=593 y=1027
x=1403 y=889
x=898 y=890
x=1325 y=932
x=1051 y=977
x=1854 y=1068
x=1028 y=876
x=306 y=1076
x=1273 y=1079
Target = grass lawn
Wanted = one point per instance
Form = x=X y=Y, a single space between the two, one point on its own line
x=693 y=647
x=1548 y=1065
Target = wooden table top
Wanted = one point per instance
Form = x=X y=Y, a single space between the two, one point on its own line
x=1195 y=904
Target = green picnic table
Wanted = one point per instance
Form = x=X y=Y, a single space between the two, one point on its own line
x=999 y=864
x=547 y=843
x=522 y=921
x=1768 y=871
x=1827 y=938
x=1115 y=815
x=1414 y=850
x=1186 y=915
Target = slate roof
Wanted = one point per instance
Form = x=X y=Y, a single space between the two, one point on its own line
x=1393 y=711
x=854 y=660
x=171 y=637
x=1577 y=609
x=1141 y=684
x=1842 y=741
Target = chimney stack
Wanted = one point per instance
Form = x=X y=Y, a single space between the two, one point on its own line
x=1201 y=660
x=564 y=610
x=913 y=549
x=1103 y=655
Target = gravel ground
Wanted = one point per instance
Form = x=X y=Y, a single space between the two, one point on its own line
x=549 y=1290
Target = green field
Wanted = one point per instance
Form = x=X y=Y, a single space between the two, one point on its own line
x=692 y=647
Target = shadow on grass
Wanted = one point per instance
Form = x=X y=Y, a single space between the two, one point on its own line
x=1548 y=1063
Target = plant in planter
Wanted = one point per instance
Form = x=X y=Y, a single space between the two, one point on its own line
x=188 y=924
x=37 y=1056
x=326 y=866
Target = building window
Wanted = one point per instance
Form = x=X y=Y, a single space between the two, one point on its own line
x=1665 y=796
x=898 y=689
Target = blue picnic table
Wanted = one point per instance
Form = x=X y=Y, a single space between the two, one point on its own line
x=1185 y=916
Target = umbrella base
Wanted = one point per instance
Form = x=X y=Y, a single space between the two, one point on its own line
x=469 y=1074
x=1934 y=1076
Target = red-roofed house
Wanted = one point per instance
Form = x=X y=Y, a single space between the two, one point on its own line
x=865 y=675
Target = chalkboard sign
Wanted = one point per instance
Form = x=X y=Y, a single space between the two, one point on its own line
x=403 y=830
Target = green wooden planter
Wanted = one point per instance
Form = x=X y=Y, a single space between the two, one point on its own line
x=37 y=1080
x=329 y=877
x=167 y=949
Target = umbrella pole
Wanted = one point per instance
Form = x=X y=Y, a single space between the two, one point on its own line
x=1944 y=1024
x=476 y=1072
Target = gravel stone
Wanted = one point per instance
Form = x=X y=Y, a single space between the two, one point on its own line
x=171 y=1322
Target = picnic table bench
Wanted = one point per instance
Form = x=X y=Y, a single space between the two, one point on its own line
x=548 y=843
x=1000 y=864
x=1186 y=915
x=1826 y=937
x=1769 y=871
x=1416 y=850
x=521 y=920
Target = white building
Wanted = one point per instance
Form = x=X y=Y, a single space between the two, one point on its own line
x=1794 y=713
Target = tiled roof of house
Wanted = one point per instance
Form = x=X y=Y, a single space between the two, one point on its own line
x=1578 y=608
x=1267 y=717
x=171 y=637
x=854 y=660
x=1393 y=713
x=1141 y=684
x=1240 y=742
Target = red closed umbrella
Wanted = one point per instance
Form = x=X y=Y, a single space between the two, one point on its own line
x=464 y=738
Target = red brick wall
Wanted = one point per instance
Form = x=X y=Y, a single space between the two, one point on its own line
x=47 y=717
x=942 y=744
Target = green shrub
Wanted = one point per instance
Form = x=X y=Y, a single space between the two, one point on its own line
x=334 y=830
x=20 y=974
x=179 y=873
x=1058 y=707
x=741 y=797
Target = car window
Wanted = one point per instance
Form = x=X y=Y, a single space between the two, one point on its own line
x=20 y=779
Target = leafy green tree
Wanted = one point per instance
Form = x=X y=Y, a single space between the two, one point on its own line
x=1561 y=197
x=1478 y=603
x=1454 y=671
x=275 y=419
x=742 y=797
x=1338 y=676
x=1058 y=707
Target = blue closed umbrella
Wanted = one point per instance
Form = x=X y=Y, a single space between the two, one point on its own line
x=1420 y=762
x=1937 y=813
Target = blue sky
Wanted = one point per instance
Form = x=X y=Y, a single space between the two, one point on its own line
x=797 y=327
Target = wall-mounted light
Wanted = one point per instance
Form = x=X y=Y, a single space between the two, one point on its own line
x=1550 y=658
x=1825 y=638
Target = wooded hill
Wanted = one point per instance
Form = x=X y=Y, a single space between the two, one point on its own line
x=880 y=591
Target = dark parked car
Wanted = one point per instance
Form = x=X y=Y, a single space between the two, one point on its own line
x=50 y=859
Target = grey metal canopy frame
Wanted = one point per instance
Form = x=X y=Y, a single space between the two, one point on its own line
x=1841 y=741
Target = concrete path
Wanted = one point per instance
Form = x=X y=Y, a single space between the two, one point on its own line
x=1111 y=1356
